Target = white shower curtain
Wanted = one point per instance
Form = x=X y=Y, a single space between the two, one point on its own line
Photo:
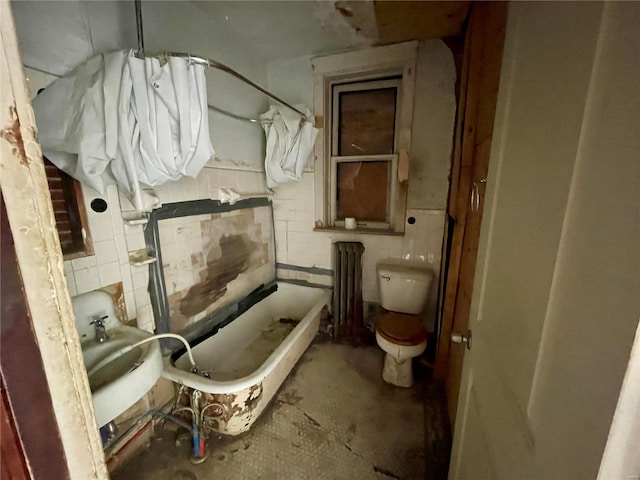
x=290 y=141
x=130 y=121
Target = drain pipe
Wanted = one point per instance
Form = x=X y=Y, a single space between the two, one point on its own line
x=110 y=446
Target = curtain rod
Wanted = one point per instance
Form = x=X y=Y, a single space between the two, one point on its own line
x=238 y=117
x=221 y=66
x=211 y=64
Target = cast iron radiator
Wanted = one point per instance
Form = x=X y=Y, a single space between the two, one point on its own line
x=348 y=321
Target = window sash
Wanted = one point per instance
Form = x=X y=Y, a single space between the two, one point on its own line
x=361 y=87
x=391 y=188
x=389 y=61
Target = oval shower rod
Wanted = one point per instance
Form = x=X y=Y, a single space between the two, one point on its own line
x=194 y=59
x=221 y=66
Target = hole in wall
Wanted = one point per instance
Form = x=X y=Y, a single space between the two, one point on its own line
x=98 y=205
x=411 y=220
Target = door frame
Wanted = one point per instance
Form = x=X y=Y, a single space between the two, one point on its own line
x=480 y=77
x=30 y=214
x=619 y=458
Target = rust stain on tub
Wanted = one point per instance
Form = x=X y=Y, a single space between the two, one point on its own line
x=255 y=394
x=233 y=407
x=13 y=135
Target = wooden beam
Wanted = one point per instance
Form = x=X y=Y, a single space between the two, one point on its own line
x=399 y=21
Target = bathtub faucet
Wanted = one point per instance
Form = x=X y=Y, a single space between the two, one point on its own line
x=101 y=330
x=202 y=373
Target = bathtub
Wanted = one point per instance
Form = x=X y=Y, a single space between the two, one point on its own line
x=249 y=359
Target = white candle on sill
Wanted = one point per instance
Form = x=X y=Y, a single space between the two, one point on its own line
x=350 y=223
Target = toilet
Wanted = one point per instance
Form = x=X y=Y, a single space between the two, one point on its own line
x=404 y=287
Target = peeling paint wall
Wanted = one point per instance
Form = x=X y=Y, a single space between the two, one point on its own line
x=212 y=260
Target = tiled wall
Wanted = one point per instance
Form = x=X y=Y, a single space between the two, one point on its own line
x=113 y=238
x=297 y=244
x=112 y=241
x=200 y=250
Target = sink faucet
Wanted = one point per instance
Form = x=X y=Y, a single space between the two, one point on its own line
x=101 y=331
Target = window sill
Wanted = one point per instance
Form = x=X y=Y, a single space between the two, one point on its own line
x=362 y=231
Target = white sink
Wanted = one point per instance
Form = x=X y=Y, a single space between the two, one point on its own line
x=117 y=379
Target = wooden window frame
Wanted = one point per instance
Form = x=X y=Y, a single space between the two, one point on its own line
x=377 y=64
x=335 y=159
x=74 y=204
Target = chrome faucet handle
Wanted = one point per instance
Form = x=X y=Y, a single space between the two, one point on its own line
x=99 y=322
x=101 y=330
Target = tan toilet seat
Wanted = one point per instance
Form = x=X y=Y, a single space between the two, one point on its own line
x=401 y=329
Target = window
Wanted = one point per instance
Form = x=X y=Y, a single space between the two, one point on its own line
x=365 y=99
x=363 y=151
x=69 y=212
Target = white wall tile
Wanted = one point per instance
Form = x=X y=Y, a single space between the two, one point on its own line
x=202 y=184
x=166 y=233
x=214 y=182
x=105 y=251
x=145 y=318
x=127 y=281
x=84 y=262
x=109 y=273
x=140 y=277
x=223 y=179
x=190 y=187
x=301 y=216
x=121 y=247
x=114 y=209
x=71 y=282
x=408 y=248
x=176 y=192
x=130 y=302
x=142 y=297
x=164 y=193
x=134 y=241
x=101 y=226
x=299 y=226
x=169 y=253
x=125 y=204
x=87 y=279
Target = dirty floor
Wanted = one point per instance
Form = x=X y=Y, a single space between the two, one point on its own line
x=333 y=418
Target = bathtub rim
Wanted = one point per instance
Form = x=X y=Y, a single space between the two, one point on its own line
x=209 y=385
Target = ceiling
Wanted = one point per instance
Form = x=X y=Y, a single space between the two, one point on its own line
x=287 y=29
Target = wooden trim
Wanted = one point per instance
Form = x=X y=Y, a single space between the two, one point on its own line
x=84 y=221
x=483 y=57
x=13 y=464
x=25 y=381
x=369 y=59
x=362 y=65
x=463 y=157
x=30 y=214
x=69 y=212
x=457 y=140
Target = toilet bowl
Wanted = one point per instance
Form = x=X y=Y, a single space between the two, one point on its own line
x=404 y=287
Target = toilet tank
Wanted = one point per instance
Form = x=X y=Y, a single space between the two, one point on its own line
x=403 y=285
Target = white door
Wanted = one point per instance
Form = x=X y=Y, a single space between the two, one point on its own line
x=556 y=301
